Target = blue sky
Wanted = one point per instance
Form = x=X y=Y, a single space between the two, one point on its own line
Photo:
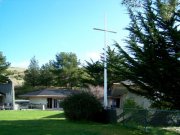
x=43 y=28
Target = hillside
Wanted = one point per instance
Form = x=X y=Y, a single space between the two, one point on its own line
x=16 y=74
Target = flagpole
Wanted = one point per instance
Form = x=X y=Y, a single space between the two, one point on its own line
x=105 y=64
x=105 y=59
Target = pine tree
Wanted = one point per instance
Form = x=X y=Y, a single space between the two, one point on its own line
x=46 y=75
x=152 y=61
x=3 y=68
x=32 y=74
x=65 y=69
x=95 y=70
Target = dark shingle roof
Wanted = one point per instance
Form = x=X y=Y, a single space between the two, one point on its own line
x=50 y=93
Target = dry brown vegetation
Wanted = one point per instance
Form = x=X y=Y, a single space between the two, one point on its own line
x=16 y=74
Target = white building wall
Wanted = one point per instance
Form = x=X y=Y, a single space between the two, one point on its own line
x=110 y=102
x=38 y=101
x=8 y=98
x=140 y=100
x=8 y=90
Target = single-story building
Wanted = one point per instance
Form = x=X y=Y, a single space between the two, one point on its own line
x=116 y=96
x=119 y=94
x=48 y=98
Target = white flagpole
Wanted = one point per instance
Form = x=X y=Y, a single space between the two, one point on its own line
x=105 y=59
x=105 y=65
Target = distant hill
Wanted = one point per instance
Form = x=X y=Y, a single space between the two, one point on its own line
x=16 y=74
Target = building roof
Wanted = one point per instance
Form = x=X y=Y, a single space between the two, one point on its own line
x=50 y=93
x=117 y=90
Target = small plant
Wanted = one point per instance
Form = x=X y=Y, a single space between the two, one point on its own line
x=133 y=113
x=130 y=103
x=81 y=106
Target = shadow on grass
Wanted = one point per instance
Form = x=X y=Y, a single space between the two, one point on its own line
x=60 y=115
x=59 y=127
x=43 y=127
x=64 y=127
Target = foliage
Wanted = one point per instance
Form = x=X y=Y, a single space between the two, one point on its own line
x=133 y=3
x=130 y=103
x=39 y=76
x=139 y=118
x=152 y=60
x=3 y=68
x=46 y=77
x=95 y=70
x=95 y=73
x=133 y=112
x=62 y=72
x=32 y=73
x=81 y=106
x=66 y=69
x=165 y=118
x=113 y=61
x=16 y=75
x=23 y=89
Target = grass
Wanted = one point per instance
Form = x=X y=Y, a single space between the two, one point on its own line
x=54 y=123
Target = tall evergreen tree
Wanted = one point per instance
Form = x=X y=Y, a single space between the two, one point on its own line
x=65 y=69
x=133 y=3
x=32 y=73
x=152 y=61
x=95 y=70
x=3 y=68
x=46 y=75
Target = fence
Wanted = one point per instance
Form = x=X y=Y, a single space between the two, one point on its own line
x=143 y=118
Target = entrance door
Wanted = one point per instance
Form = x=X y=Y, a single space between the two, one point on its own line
x=55 y=103
x=118 y=103
x=2 y=96
x=1 y=100
x=49 y=103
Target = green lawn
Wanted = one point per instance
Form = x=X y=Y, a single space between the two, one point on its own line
x=54 y=123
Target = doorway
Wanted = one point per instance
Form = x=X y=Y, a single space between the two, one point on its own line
x=49 y=103
x=52 y=103
x=2 y=97
x=118 y=103
x=55 y=103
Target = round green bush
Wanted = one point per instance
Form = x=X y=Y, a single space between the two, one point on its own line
x=81 y=106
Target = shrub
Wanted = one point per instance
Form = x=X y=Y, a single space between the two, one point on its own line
x=81 y=106
x=133 y=113
x=130 y=103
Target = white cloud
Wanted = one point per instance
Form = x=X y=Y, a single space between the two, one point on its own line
x=93 y=55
